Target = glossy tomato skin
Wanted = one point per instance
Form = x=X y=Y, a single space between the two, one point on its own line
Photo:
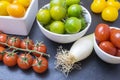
x=10 y=59
x=108 y=47
x=115 y=37
x=25 y=61
x=26 y=43
x=39 y=48
x=14 y=41
x=118 y=53
x=1 y=52
x=3 y=38
x=102 y=32
x=40 y=65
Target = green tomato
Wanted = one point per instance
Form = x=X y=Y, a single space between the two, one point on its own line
x=83 y=23
x=57 y=27
x=58 y=12
x=74 y=10
x=70 y=2
x=43 y=16
x=72 y=25
x=58 y=3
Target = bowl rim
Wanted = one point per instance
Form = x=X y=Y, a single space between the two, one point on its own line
x=21 y=18
x=103 y=52
x=65 y=35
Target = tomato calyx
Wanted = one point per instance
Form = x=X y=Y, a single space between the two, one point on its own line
x=24 y=59
x=10 y=54
x=2 y=53
x=38 y=63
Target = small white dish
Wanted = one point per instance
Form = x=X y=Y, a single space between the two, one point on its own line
x=105 y=56
x=66 y=38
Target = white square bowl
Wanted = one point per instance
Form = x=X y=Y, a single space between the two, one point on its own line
x=20 y=26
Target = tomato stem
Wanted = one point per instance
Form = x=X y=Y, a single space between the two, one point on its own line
x=26 y=50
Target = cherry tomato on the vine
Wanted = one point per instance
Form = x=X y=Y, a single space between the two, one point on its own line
x=102 y=32
x=40 y=65
x=10 y=59
x=14 y=41
x=26 y=44
x=40 y=47
x=3 y=38
x=1 y=52
x=108 y=47
x=25 y=61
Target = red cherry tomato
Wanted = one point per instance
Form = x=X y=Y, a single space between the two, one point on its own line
x=3 y=38
x=26 y=44
x=115 y=37
x=24 y=61
x=1 y=52
x=108 y=47
x=118 y=52
x=14 y=41
x=102 y=32
x=40 y=65
x=10 y=59
x=40 y=47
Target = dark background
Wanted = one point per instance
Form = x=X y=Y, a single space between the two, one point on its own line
x=93 y=68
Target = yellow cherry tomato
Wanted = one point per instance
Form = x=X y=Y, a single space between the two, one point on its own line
x=97 y=6
x=114 y=3
x=16 y=10
x=110 y=14
x=3 y=8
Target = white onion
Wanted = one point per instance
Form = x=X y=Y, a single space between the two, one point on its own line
x=81 y=49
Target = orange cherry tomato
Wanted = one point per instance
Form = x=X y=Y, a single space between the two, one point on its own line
x=16 y=10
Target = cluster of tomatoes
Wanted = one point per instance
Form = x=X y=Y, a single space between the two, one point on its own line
x=23 y=52
x=15 y=8
x=108 y=39
x=108 y=9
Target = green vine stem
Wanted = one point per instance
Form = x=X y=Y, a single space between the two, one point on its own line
x=26 y=50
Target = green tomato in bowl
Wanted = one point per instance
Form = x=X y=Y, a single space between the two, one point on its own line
x=57 y=27
x=73 y=25
x=43 y=16
x=75 y=10
x=70 y=2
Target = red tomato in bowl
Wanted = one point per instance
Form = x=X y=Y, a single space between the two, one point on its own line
x=118 y=53
x=102 y=32
x=108 y=47
x=115 y=37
